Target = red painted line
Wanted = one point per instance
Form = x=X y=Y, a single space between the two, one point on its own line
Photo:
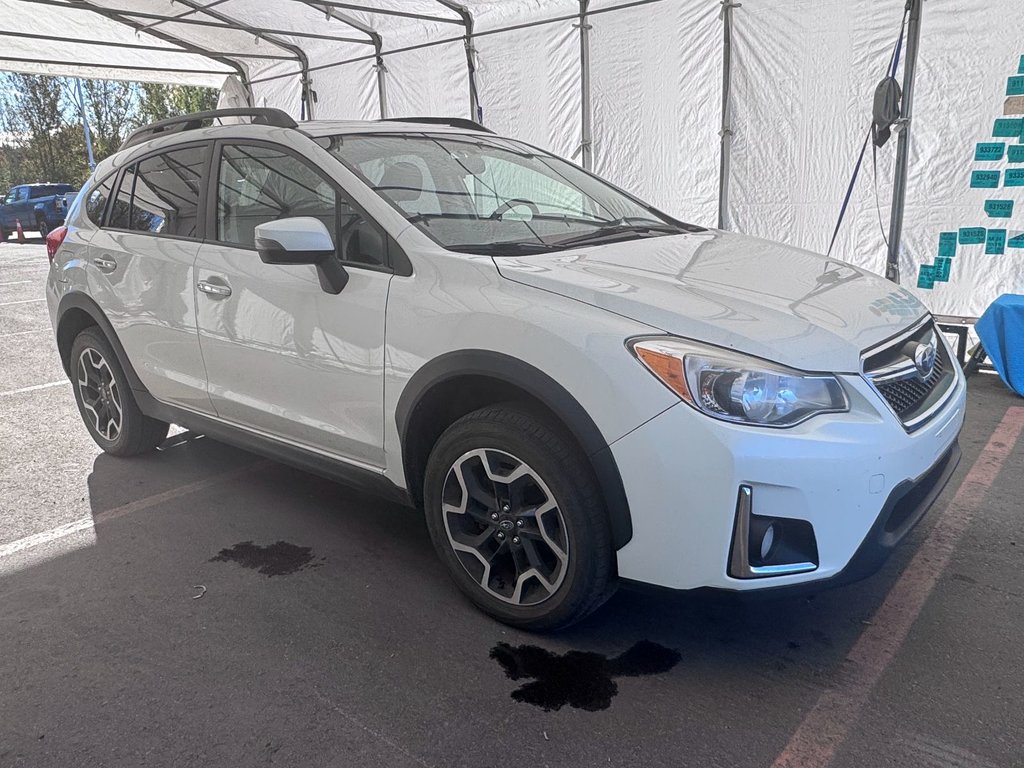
x=826 y=725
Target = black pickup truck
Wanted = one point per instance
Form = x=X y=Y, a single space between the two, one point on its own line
x=41 y=207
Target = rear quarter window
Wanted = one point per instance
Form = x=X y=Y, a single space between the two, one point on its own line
x=96 y=202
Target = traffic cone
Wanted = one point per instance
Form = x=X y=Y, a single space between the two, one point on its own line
x=21 y=232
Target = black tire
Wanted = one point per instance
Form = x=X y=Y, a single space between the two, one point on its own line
x=511 y=432
x=93 y=360
x=43 y=227
x=3 y=234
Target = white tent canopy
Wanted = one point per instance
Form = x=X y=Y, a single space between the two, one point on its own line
x=631 y=88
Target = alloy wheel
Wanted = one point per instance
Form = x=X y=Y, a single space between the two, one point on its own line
x=100 y=394
x=505 y=526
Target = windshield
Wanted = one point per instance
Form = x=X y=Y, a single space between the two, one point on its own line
x=489 y=195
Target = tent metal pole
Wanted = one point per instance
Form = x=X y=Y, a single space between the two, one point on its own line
x=586 y=128
x=475 y=113
x=899 y=184
x=389 y=12
x=725 y=152
x=331 y=11
x=85 y=124
x=139 y=46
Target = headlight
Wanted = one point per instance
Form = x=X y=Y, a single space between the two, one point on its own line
x=735 y=387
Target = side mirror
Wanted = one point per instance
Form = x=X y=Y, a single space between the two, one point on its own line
x=302 y=240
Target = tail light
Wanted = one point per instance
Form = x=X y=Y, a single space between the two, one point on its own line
x=54 y=240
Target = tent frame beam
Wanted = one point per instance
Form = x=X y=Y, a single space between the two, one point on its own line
x=126 y=67
x=330 y=10
x=899 y=184
x=388 y=12
x=586 y=115
x=114 y=16
x=725 y=149
x=139 y=46
x=475 y=113
x=308 y=95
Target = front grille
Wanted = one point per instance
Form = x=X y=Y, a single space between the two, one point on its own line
x=893 y=374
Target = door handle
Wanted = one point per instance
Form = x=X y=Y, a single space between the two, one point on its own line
x=216 y=290
x=105 y=263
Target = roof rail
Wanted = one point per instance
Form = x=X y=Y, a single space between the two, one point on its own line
x=454 y=122
x=259 y=115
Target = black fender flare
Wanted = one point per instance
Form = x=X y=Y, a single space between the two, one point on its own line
x=539 y=385
x=80 y=301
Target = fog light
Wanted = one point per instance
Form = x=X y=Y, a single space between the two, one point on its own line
x=767 y=541
x=765 y=546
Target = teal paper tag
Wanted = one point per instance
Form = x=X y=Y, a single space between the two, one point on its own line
x=1020 y=68
x=926 y=276
x=1015 y=177
x=996 y=242
x=947 y=245
x=1017 y=241
x=972 y=235
x=989 y=150
x=1015 y=85
x=1008 y=126
x=999 y=209
x=1015 y=154
x=985 y=179
x=942 y=270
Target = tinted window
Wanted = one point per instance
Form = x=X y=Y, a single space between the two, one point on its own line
x=48 y=190
x=259 y=184
x=121 y=206
x=97 y=200
x=166 y=198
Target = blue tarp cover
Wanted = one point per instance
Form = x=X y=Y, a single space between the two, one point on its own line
x=1001 y=330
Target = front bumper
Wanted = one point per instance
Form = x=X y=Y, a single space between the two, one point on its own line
x=859 y=479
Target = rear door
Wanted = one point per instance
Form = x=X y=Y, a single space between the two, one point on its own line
x=142 y=274
x=282 y=356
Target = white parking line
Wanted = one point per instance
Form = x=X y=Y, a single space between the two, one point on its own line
x=36 y=539
x=17 y=282
x=24 y=301
x=34 y=387
x=22 y=333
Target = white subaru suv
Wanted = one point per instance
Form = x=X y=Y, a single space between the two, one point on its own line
x=574 y=387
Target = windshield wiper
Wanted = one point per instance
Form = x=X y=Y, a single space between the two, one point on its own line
x=514 y=248
x=618 y=229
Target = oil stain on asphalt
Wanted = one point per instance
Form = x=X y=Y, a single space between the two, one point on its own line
x=280 y=559
x=581 y=679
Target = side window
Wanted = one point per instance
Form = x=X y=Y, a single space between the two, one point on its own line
x=166 y=197
x=257 y=184
x=121 y=206
x=23 y=193
x=11 y=196
x=97 y=200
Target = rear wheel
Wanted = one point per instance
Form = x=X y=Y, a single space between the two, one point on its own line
x=105 y=399
x=514 y=512
x=43 y=227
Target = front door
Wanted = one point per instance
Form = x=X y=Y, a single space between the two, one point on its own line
x=282 y=356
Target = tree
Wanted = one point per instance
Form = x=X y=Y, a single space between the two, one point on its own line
x=41 y=137
x=159 y=102
x=32 y=115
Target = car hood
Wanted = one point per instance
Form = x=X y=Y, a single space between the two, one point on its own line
x=785 y=304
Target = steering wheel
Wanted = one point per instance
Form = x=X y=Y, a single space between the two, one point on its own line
x=508 y=205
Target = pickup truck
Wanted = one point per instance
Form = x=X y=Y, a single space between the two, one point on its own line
x=41 y=206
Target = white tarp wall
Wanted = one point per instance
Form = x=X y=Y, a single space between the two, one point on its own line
x=803 y=77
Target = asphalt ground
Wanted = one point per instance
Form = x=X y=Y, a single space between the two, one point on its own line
x=201 y=606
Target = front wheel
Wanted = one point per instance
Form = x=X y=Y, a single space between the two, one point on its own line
x=105 y=399
x=514 y=512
